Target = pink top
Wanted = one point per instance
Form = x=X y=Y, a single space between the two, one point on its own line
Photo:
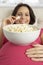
x=11 y=54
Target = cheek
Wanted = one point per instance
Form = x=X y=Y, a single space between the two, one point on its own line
x=28 y=19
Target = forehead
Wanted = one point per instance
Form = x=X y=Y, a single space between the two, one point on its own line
x=23 y=9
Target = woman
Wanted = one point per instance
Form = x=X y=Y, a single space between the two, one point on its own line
x=22 y=10
x=13 y=54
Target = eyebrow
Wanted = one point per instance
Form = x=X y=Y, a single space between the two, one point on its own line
x=21 y=12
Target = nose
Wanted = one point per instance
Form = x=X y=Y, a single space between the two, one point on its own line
x=23 y=16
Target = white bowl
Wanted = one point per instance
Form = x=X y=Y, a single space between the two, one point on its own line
x=21 y=38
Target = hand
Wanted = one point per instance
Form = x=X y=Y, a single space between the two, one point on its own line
x=35 y=53
x=9 y=20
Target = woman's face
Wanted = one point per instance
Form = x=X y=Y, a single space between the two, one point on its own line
x=24 y=14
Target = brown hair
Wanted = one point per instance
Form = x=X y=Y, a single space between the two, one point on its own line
x=32 y=16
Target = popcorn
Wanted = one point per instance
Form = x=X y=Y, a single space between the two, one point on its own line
x=21 y=28
x=17 y=17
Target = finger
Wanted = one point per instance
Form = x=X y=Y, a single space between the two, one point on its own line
x=37 y=59
x=36 y=45
x=31 y=49
x=13 y=17
x=30 y=52
x=35 y=49
x=35 y=55
x=32 y=56
x=12 y=21
x=35 y=52
x=39 y=51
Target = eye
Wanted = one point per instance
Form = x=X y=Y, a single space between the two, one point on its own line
x=19 y=14
x=27 y=14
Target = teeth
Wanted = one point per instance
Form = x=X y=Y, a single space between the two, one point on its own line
x=17 y=17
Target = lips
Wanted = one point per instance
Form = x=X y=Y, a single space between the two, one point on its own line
x=23 y=21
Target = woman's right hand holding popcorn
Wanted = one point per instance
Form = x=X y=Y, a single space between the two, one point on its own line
x=10 y=20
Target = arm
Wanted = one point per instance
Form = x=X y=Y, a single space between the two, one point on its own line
x=7 y=21
x=36 y=53
x=42 y=38
x=1 y=37
x=2 y=40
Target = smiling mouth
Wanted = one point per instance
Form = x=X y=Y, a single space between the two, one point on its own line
x=23 y=21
